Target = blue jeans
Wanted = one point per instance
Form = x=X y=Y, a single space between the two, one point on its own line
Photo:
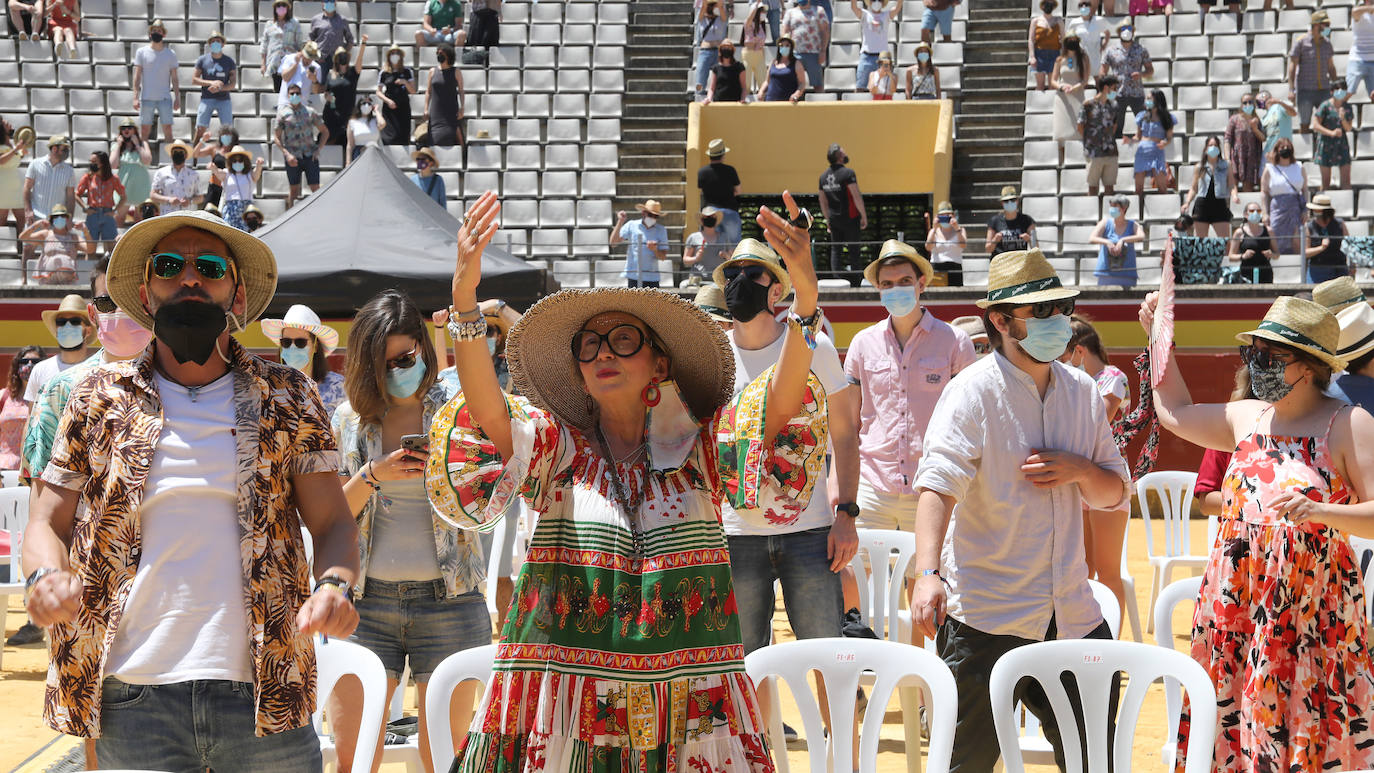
x=775 y=23
x=159 y=108
x=1356 y=71
x=209 y=108
x=812 y=64
x=731 y=227
x=101 y=223
x=942 y=19
x=868 y=63
x=396 y=619
x=706 y=59
x=810 y=591
x=187 y=727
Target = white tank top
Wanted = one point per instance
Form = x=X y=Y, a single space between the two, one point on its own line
x=947 y=249
x=238 y=187
x=364 y=131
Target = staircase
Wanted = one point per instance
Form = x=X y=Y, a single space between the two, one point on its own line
x=653 y=127
x=990 y=123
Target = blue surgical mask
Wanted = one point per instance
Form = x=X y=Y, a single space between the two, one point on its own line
x=1085 y=11
x=1247 y=108
x=1326 y=32
x=1111 y=97
x=899 y=301
x=59 y=222
x=295 y=99
x=923 y=57
x=216 y=47
x=402 y=382
x=297 y=358
x=71 y=336
x=226 y=139
x=491 y=344
x=1113 y=212
x=785 y=50
x=1149 y=104
x=1213 y=151
x=238 y=167
x=1254 y=217
x=1009 y=207
x=1339 y=93
x=1046 y=339
x=329 y=8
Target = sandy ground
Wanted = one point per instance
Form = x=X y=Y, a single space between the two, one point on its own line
x=28 y=745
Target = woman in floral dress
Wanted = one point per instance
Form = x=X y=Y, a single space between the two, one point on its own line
x=1280 y=623
x=1245 y=138
x=622 y=650
x=1330 y=123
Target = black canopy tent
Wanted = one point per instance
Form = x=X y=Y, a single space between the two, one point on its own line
x=370 y=228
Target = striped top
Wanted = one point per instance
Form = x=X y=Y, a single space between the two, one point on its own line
x=50 y=184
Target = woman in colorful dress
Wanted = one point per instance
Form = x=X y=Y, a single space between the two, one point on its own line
x=1330 y=123
x=1280 y=623
x=1244 y=139
x=306 y=344
x=622 y=650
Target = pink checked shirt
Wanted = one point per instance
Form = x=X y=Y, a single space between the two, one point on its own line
x=899 y=387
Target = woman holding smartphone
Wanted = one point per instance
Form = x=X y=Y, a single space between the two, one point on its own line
x=417 y=591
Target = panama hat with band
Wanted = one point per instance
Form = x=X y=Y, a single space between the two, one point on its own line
x=716 y=148
x=895 y=249
x=180 y=144
x=216 y=35
x=542 y=367
x=1338 y=294
x=311 y=50
x=1303 y=325
x=944 y=208
x=711 y=299
x=1023 y=277
x=71 y=306
x=128 y=123
x=755 y=252
x=1320 y=202
x=305 y=318
x=651 y=208
x=1009 y=193
x=1357 y=331
x=425 y=153
x=253 y=262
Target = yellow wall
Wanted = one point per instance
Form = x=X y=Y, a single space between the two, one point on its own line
x=894 y=147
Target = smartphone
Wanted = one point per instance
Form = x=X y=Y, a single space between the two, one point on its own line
x=415 y=443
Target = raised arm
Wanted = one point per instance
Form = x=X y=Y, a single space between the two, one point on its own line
x=1206 y=424
x=793 y=244
x=485 y=401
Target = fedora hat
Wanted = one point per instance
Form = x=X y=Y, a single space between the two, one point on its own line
x=128 y=123
x=1319 y=17
x=651 y=207
x=427 y=153
x=180 y=144
x=59 y=140
x=895 y=249
x=1319 y=202
x=753 y=251
x=58 y=209
x=1303 y=325
x=239 y=151
x=311 y=50
x=971 y=325
x=711 y=299
x=71 y=306
x=305 y=318
x=716 y=148
x=1009 y=193
x=216 y=35
x=943 y=208
x=255 y=265
x=542 y=368
x=1339 y=293
x=1021 y=277
x=156 y=24
x=1357 y=331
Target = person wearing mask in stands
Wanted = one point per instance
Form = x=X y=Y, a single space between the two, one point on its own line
x=808 y=27
x=1011 y=229
x=300 y=134
x=130 y=156
x=427 y=177
x=331 y=32
x=704 y=249
x=238 y=182
x=922 y=78
x=50 y=180
x=1116 y=237
x=484 y=26
x=1325 y=231
x=444 y=99
x=14 y=412
x=215 y=145
x=719 y=184
x=59 y=243
x=882 y=83
x=874 y=18
x=364 y=128
x=1131 y=64
x=281 y=36
x=341 y=92
x=710 y=30
x=394 y=87
x=938 y=13
x=442 y=23
x=176 y=186
x=1068 y=80
x=70 y=323
x=1360 y=64
x=1284 y=188
x=97 y=191
x=1213 y=188
x=753 y=38
x=1245 y=138
x=1252 y=247
x=727 y=81
x=1044 y=39
x=846 y=217
x=306 y=343
x=157 y=93
x=216 y=74
x=946 y=240
x=648 y=243
x=1330 y=123
x=973 y=326
x=786 y=79
x=1099 y=127
x=1153 y=133
x=1312 y=68
x=1276 y=118
x=304 y=70
x=1093 y=32
x=253 y=218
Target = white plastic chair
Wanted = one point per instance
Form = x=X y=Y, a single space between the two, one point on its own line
x=455 y=669
x=1175 y=593
x=335 y=659
x=841 y=662
x=1128 y=582
x=9 y=478
x=14 y=518
x=1174 y=488
x=1094 y=664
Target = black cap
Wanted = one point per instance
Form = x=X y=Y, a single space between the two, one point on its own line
x=833 y=155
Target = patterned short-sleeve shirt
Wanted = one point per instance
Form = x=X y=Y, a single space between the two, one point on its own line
x=1122 y=61
x=1099 y=129
x=299 y=129
x=807 y=27
x=104 y=449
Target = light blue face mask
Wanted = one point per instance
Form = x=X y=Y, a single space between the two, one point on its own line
x=216 y=47
x=296 y=357
x=1149 y=104
x=1113 y=212
x=1046 y=339
x=1009 y=206
x=71 y=336
x=402 y=382
x=491 y=345
x=899 y=301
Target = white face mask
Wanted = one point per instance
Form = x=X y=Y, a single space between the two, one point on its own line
x=1126 y=36
x=650 y=221
x=366 y=108
x=395 y=58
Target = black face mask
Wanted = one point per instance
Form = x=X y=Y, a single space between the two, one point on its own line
x=1285 y=154
x=252 y=223
x=745 y=298
x=178 y=157
x=190 y=329
x=155 y=37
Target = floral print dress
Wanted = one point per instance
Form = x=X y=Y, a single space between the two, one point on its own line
x=1280 y=623
x=622 y=650
x=1332 y=151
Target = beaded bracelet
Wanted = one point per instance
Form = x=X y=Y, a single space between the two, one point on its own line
x=367 y=477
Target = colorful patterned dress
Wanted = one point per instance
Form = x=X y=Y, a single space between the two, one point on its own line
x=1280 y=623
x=612 y=659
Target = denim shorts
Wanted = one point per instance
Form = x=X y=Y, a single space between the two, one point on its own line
x=868 y=64
x=190 y=726
x=1356 y=71
x=810 y=591
x=944 y=19
x=414 y=619
x=224 y=108
x=101 y=223
x=161 y=108
x=307 y=165
x=437 y=38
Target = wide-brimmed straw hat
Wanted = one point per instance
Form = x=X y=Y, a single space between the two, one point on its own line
x=254 y=263
x=711 y=299
x=651 y=207
x=542 y=368
x=239 y=151
x=180 y=144
x=156 y=24
x=716 y=148
x=1319 y=202
x=427 y=153
x=755 y=251
x=1357 y=331
x=71 y=306
x=1023 y=276
x=895 y=249
x=311 y=50
x=1338 y=294
x=1302 y=325
x=305 y=318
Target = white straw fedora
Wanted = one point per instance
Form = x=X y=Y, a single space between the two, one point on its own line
x=306 y=319
x=1357 y=331
x=72 y=306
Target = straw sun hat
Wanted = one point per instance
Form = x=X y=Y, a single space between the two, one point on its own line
x=895 y=249
x=1303 y=325
x=1021 y=277
x=305 y=318
x=71 y=306
x=539 y=349
x=711 y=299
x=255 y=265
x=753 y=251
x=1338 y=294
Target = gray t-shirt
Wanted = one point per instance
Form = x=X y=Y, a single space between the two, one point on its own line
x=158 y=67
x=403 y=535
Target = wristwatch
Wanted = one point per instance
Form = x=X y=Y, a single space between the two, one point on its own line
x=848 y=508
x=335 y=581
x=37 y=575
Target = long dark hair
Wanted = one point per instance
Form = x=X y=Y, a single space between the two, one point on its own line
x=1162 y=109
x=17 y=382
x=757 y=19
x=791 y=57
x=319 y=366
x=102 y=161
x=5 y=130
x=389 y=313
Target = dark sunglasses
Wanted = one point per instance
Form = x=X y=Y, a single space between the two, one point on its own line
x=169 y=265
x=69 y=321
x=299 y=343
x=624 y=340
x=1265 y=358
x=1047 y=309
x=405 y=361
x=28 y=361
x=753 y=271
x=104 y=304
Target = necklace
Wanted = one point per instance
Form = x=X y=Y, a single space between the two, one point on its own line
x=622 y=494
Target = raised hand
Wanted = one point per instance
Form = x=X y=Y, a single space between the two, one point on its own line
x=793 y=245
x=479 y=226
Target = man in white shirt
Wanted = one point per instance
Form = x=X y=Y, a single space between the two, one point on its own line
x=804 y=551
x=71 y=325
x=1018 y=444
x=302 y=69
x=873 y=21
x=1092 y=31
x=176 y=186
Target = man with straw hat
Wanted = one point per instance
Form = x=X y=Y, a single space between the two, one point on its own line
x=648 y=244
x=50 y=180
x=1011 y=229
x=1017 y=445
x=191 y=448
x=215 y=74
x=711 y=299
x=70 y=324
x=1356 y=347
x=719 y=184
x=176 y=186
x=1338 y=294
x=973 y=327
x=1297 y=488
x=253 y=218
x=303 y=70
x=157 y=92
x=629 y=439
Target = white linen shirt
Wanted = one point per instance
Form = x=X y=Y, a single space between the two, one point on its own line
x=1013 y=554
